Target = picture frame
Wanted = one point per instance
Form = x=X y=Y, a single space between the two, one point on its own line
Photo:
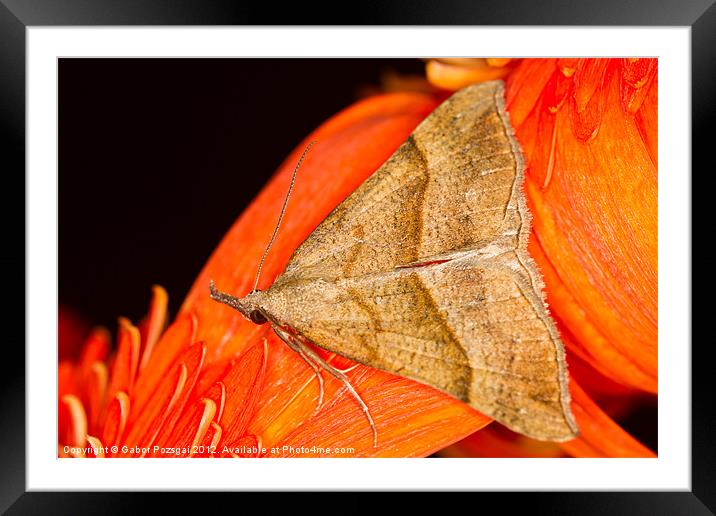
x=16 y=17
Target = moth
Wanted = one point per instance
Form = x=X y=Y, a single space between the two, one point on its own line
x=423 y=272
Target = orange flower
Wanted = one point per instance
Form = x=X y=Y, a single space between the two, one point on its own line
x=588 y=129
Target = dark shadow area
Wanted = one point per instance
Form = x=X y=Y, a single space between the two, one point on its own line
x=158 y=157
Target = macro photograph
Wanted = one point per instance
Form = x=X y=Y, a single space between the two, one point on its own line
x=354 y=258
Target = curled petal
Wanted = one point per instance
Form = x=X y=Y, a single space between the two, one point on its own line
x=96 y=391
x=192 y=360
x=165 y=405
x=211 y=441
x=155 y=323
x=95 y=444
x=192 y=426
x=205 y=422
x=176 y=339
x=453 y=76
x=76 y=433
x=116 y=420
x=124 y=369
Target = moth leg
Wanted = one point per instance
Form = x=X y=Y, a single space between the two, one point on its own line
x=340 y=374
x=319 y=377
x=291 y=342
x=347 y=369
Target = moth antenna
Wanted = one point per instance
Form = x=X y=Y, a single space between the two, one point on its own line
x=280 y=217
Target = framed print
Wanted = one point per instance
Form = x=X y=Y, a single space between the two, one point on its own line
x=302 y=258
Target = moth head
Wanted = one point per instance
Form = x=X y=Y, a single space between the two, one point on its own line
x=256 y=316
x=249 y=306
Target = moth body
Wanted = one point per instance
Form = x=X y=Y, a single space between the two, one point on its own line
x=423 y=272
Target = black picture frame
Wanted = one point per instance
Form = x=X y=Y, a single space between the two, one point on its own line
x=17 y=15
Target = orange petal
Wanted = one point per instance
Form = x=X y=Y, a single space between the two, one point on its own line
x=193 y=360
x=96 y=392
x=636 y=76
x=498 y=61
x=453 y=77
x=116 y=420
x=95 y=349
x=180 y=334
x=247 y=446
x=210 y=376
x=590 y=379
x=207 y=433
x=647 y=119
x=243 y=384
x=67 y=381
x=589 y=80
x=616 y=400
x=95 y=444
x=524 y=86
x=204 y=425
x=412 y=420
x=588 y=342
x=124 y=369
x=150 y=421
x=594 y=215
x=193 y=422
x=599 y=435
x=497 y=441
x=566 y=65
x=155 y=323
x=281 y=411
x=164 y=407
x=76 y=432
x=209 y=446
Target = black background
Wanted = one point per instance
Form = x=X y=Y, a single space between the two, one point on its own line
x=158 y=157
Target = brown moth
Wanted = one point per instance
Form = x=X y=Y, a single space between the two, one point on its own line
x=423 y=272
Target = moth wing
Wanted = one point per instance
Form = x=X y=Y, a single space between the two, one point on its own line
x=369 y=282
x=452 y=186
x=468 y=327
